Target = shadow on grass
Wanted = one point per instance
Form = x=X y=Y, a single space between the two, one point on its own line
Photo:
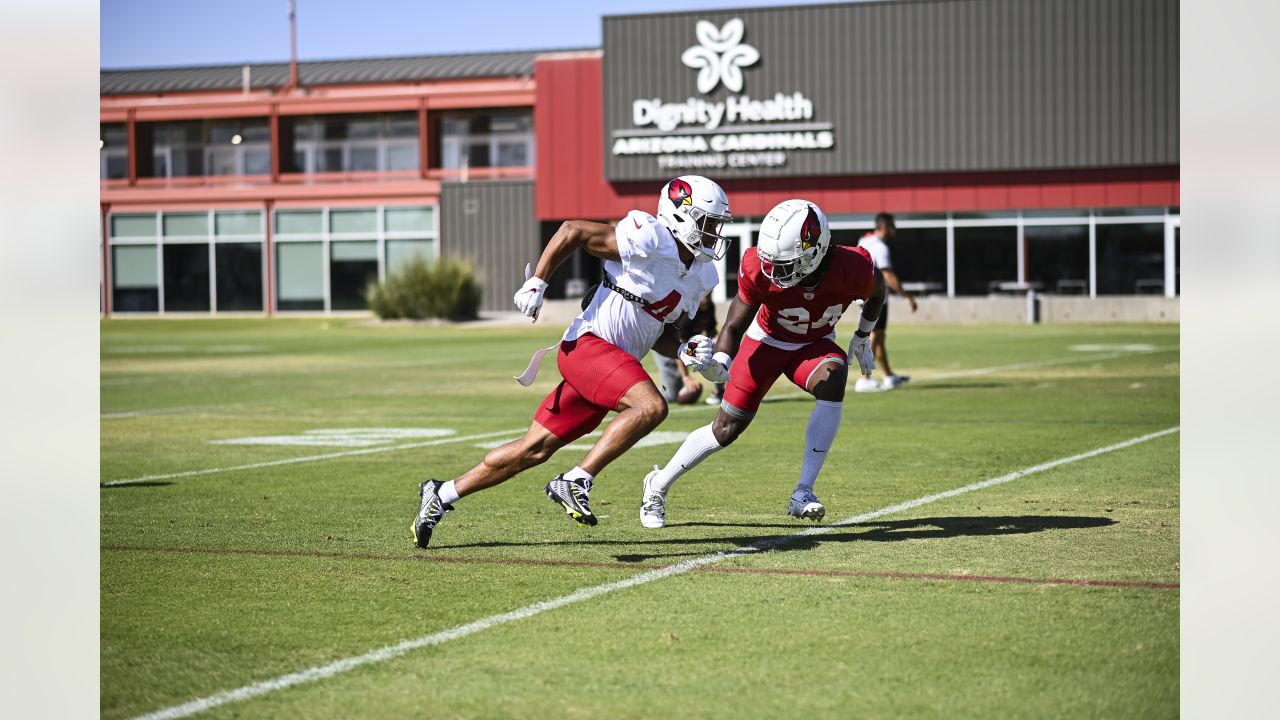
x=876 y=531
x=125 y=486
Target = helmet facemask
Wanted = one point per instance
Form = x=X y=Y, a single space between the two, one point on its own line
x=695 y=210
x=786 y=272
x=794 y=238
x=703 y=236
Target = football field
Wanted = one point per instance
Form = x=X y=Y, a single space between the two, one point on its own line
x=1001 y=536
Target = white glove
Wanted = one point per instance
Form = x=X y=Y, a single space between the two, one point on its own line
x=860 y=349
x=529 y=297
x=717 y=371
x=696 y=353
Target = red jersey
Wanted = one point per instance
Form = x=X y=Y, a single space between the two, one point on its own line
x=797 y=315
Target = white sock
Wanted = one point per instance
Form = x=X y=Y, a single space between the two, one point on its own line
x=448 y=493
x=824 y=423
x=699 y=446
x=578 y=473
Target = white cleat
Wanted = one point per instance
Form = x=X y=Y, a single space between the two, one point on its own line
x=805 y=505
x=866 y=385
x=653 y=505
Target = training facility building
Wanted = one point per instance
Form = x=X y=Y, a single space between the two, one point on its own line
x=1025 y=146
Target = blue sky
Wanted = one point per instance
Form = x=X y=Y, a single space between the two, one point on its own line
x=154 y=33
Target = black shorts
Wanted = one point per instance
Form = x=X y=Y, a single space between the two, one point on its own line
x=884 y=316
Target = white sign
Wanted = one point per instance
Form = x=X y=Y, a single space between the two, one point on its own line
x=720 y=55
x=736 y=132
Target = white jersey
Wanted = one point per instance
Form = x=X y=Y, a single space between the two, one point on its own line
x=878 y=248
x=652 y=269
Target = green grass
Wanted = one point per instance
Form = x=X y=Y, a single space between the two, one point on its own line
x=214 y=581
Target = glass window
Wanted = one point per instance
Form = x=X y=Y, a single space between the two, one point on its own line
x=400 y=252
x=409 y=219
x=235 y=146
x=486 y=139
x=366 y=142
x=363 y=158
x=1058 y=258
x=186 y=277
x=1131 y=259
x=299 y=222
x=352 y=266
x=919 y=257
x=133 y=226
x=257 y=161
x=402 y=156
x=364 y=220
x=113 y=151
x=985 y=257
x=238 y=223
x=134 y=282
x=186 y=224
x=239 y=276
x=300 y=276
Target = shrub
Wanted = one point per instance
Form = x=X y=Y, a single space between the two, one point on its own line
x=446 y=288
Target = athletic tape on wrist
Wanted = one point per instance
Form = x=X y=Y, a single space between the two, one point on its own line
x=866 y=325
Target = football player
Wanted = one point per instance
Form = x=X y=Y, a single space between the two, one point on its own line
x=793 y=288
x=657 y=270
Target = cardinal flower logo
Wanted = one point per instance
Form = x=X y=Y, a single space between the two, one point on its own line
x=720 y=55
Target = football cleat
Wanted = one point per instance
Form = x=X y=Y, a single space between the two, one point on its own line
x=865 y=385
x=431 y=512
x=572 y=496
x=895 y=381
x=805 y=505
x=653 y=504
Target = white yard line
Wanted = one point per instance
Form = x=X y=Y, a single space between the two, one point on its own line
x=393 y=651
x=310 y=458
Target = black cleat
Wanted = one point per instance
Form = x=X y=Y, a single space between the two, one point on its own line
x=572 y=496
x=431 y=512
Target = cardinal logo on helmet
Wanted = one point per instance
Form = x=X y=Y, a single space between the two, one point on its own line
x=679 y=193
x=811 y=230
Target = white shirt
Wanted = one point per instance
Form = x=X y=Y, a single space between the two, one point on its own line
x=651 y=268
x=879 y=250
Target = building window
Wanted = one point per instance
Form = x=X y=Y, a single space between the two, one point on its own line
x=239 y=273
x=300 y=276
x=1058 y=258
x=186 y=277
x=986 y=258
x=135 y=283
x=497 y=138
x=211 y=147
x=1131 y=259
x=354 y=143
x=919 y=257
x=353 y=264
x=113 y=152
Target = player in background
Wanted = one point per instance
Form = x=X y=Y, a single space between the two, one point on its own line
x=657 y=270
x=793 y=288
x=875 y=243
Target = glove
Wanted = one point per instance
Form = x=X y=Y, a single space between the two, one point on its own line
x=528 y=298
x=696 y=353
x=717 y=370
x=860 y=349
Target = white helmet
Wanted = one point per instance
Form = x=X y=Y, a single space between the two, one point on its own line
x=695 y=209
x=794 y=238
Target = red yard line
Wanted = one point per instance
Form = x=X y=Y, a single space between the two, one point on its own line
x=644 y=566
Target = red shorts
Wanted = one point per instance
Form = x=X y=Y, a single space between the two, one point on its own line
x=596 y=376
x=757 y=366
